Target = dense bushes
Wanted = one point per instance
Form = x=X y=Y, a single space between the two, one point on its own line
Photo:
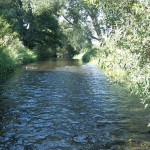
x=12 y=51
x=128 y=49
x=125 y=55
x=29 y=32
x=90 y=54
x=124 y=67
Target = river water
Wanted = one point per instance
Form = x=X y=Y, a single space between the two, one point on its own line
x=66 y=105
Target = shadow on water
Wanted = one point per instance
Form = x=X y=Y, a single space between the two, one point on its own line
x=62 y=104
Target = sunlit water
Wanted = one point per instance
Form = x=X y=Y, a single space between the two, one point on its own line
x=63 y=105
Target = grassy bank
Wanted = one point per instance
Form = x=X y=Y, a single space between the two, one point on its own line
x=12 y=51
x=123 y=67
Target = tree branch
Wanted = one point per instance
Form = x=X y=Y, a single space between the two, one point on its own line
x=93 y=37
x=68 y=20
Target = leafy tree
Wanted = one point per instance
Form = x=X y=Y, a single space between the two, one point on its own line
x=125 y=53
x=37 y=24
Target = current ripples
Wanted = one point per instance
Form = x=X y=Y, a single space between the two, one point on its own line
x=64 y=105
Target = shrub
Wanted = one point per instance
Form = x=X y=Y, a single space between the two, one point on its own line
x=12 y=51
x=90 y=54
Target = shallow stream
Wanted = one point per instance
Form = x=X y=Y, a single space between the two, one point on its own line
x=66 y=105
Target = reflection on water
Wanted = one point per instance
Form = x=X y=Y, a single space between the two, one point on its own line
x=61 y=104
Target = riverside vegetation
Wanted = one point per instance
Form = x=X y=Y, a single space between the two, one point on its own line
x=125 y=54
x=32 y=30
x=12 y=51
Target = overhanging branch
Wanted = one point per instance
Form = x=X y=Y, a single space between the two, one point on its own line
x=68 y=20
x=93 y=37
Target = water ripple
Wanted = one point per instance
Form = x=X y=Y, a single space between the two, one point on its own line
x=64 y=105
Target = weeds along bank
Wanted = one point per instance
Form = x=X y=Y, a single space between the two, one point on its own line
x=121 y=61
x=125 y=54
x=12 y=51
x=125 y=67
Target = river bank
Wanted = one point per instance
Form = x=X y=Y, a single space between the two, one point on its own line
x=12 y=51
x=10 y=60
x=122 y=68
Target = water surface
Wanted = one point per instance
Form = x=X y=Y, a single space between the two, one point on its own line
x=65 y=105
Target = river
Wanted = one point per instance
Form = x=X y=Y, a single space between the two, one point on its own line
x=65 y=105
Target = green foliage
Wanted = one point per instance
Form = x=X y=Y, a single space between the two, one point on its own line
x=6 y=63
x=122 y=28
x=12 y=51
x=87 y=57
x=45 y=53
x=68 y=51
x=123 y=66
x=124 y=54
x=36 y=23
x=94 y=3
x=44 y=31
